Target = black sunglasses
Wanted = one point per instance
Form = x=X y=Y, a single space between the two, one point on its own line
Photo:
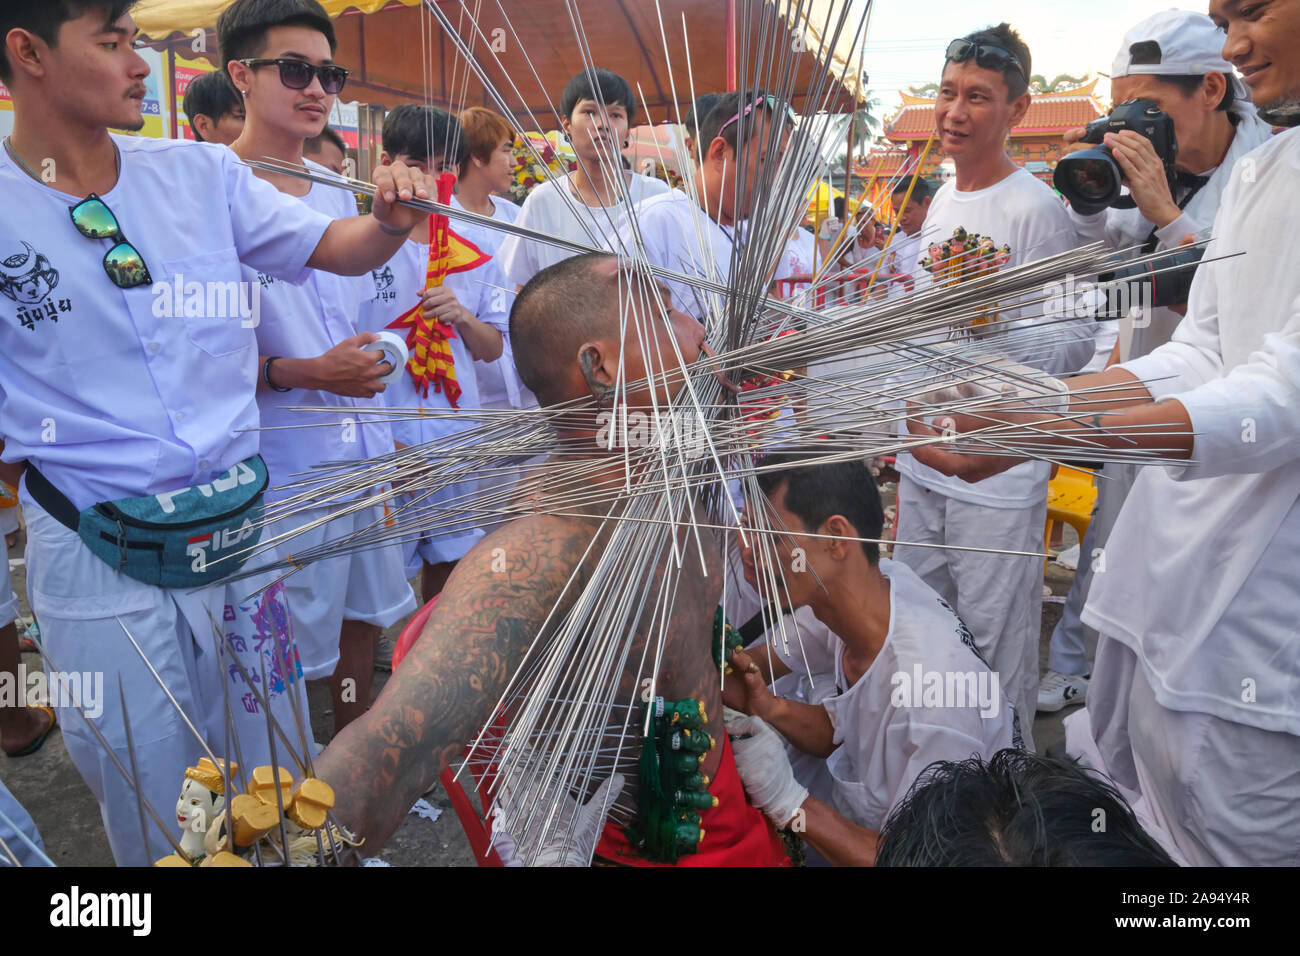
x=986 y=55
x=123 y=262
x=298 y=74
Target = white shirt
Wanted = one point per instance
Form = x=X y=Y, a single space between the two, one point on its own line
x=1022 y=212
x=394 y=290
x=678 y=235
x=498 y=381
x=797 y=260
x=552 y=208
x=1200 y=570
x=110 y=393
x=1126 y=228
x=887 y=728
x=304 y=321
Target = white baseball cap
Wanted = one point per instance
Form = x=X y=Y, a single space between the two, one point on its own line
x=1176 y=43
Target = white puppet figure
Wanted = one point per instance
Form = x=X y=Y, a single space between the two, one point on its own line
x=203 y=797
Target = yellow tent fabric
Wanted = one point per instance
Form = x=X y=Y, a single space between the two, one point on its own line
x=158 y=19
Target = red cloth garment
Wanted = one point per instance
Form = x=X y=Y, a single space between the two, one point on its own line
x=735 y=832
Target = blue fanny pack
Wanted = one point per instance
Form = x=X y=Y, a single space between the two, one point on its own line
x=174 y=539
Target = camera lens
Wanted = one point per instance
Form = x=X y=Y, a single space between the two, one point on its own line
x=1090 y=180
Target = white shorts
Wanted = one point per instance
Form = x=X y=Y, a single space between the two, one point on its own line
x=435 y=535
x=79 y=599
x=369 y=585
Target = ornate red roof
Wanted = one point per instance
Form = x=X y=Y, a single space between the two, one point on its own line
x=1048 y=113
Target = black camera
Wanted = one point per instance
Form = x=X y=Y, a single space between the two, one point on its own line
x=1162 y=282
x=1090 y=179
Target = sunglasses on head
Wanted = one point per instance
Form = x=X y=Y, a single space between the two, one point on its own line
x=123 y=262
x=298 y=74
x=768 y=101
x=986 y=55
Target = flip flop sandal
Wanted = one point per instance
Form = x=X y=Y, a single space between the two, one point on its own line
x=36 y=744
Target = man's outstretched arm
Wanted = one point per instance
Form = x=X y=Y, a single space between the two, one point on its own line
x=445 y=689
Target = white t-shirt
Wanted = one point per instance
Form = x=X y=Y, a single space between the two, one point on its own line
x=679 y=235
x=1022 y=212
x=394 y=289
x=499 y=385
x=553 y=208
x=118 y=393
x=1200 y=570
x=303 y=321
x=797 y=260
x=927 y=696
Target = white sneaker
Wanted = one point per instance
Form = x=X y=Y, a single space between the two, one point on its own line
x=1056 y=691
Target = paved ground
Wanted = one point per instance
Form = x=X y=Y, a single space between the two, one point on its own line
x=65 y=811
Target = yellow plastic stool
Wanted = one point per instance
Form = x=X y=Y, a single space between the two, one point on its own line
x=1071 y=496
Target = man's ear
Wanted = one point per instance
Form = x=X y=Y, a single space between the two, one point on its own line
x=599 y=365
x=1213 y=86
x=842 y=535
x=719 y=152
x=27 y=52
x=385 y=159
x=240 y=75
x=1018 y=109
x=204 y=128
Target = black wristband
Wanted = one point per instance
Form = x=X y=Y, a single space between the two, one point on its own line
x=266 y=375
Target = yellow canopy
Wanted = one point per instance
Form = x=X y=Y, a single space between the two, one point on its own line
x=158 y=19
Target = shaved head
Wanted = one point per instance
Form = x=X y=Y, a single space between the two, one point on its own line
x=562 y=307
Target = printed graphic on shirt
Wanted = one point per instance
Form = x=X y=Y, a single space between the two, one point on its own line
x=266 y=280
x=384 y=291
x=28 y=278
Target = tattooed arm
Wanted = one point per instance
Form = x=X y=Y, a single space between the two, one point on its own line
x=492 y=608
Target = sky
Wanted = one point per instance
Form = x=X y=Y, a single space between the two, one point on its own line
x=906 y=38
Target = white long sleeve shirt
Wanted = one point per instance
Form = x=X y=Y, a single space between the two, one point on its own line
x=1126 y=228
x=1200 y=573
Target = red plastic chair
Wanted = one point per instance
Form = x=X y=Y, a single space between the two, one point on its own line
x=477 y=830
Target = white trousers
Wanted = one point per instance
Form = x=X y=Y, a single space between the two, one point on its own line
x=1218 y=792
x=998 y=596
x=79 y=600
x=8 y=599
x=15 y=825
x=369 y=585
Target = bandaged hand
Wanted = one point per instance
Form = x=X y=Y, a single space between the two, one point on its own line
x=1004 y=381
x=764 y=767
x=572 y=836
x=830 y=228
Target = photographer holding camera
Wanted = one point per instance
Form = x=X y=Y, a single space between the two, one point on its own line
x=1170 y=81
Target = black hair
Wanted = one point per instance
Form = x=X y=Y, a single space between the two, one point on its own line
x=701 y=108
x=1018 y=809
x=413 y=131
x=1188 y=85
x=242 y=26
x=327 y=135
x=815 y=493
x=609 y=88
x=838 y=205
x=728 y=106
x=1006 y=38
x=920 y=192
x=557 y=310
x=45 y=17
x=211 y=95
